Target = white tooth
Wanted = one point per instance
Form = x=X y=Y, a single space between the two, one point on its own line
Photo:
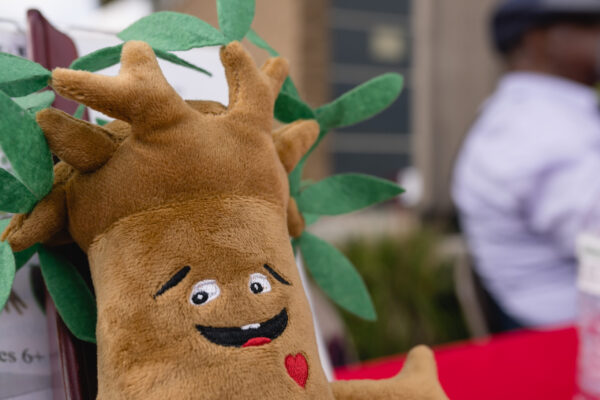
x=250 y=326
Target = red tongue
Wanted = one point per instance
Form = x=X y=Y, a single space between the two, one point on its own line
x=257 y=341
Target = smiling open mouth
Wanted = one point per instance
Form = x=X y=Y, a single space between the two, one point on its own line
x=248 y=335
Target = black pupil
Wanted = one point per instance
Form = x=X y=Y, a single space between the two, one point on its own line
x=200 y=298
x=256 y=287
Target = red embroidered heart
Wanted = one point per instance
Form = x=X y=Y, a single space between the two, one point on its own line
x=297 y=368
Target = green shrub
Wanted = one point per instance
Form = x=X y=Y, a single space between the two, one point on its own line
x=413 y=291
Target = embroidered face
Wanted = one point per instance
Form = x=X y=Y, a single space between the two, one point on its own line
x=253 y=334
x=210 y=278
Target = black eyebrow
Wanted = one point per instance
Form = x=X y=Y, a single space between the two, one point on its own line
x=175 y=279
x=276 y=275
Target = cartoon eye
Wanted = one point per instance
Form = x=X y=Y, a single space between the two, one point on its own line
x=204 y=291
x=259 y=284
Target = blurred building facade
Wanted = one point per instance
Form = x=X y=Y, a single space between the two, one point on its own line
x=441 y=48
x=370 y=38
x=455 y=70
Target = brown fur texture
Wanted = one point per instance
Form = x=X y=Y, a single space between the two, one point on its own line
x=47 y=220
x=293 y=141
x=414 y=382
x=199 y=188
x=83 y=146
x=295 y=220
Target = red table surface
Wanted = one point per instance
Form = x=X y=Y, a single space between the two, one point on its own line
x=517 y=365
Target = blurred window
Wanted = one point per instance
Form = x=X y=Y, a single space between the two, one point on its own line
x=369 y=39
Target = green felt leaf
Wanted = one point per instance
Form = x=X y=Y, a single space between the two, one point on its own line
x=288 y=85
x=35 y=102
x=25 y=146
x=14 y=195
x=344 y=193
x=99 y=59
x=101 y=121
x=74 y=301
x=19 y=76
x=21 y=257
x=109 y=56
x=168 y=30
x=306 y=183
x=289 y=88
x=7 y=272
x=235 y=17
x=310 y=219
x=354 y=106
x=79 y=111
x=361 y=103
x=7 y=267
x=294 y=179
x=337 y=277
x=172 y=58
x=289 y=109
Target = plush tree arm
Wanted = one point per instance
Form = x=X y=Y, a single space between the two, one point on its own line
x=417 y=381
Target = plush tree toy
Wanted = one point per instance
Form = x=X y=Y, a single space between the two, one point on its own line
x=183 y=209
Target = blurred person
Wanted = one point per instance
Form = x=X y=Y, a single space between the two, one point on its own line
x=527 y=179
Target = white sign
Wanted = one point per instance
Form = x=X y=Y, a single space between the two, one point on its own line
x=25 y=372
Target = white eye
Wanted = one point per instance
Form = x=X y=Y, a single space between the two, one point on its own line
x=259 y=284
x=204 y=291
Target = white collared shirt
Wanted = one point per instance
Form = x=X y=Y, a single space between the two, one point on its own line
x=526 y=182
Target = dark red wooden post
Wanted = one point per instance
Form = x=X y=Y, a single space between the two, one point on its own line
x=74 y=364
x=51 y=48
